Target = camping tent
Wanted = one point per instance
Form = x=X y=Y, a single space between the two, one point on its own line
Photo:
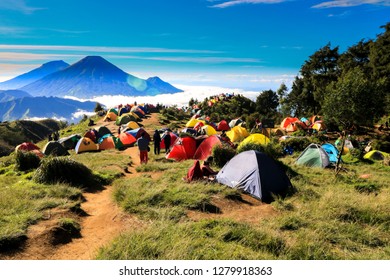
x=193 y=122
x=127 y=139
x=205 y=148
x=101 y=131
x=207 y=130
x=287 y=121
x=173 y=139
x=235 y=122
x=86 y=145
x=69 y=142
x=314 y=156
x=55 y=149
x=110 y=116
x=332 y=152
x=29 y=147
x=223 y=125
x=255 y=173
x=138 y=132
x=376 y=155
x=183 y=148
x=257 y=138
x=109 y=141
x=237 y=133
x=132 y=125
x=91 y=134
x=318 y=125
x=125 y=119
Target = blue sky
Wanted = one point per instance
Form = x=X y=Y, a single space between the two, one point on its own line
x=253 y=44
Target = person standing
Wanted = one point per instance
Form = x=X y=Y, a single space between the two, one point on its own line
x=157 y=142
x=167 y=141
x=143 y=147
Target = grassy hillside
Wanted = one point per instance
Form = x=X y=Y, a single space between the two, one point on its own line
x=327 y=216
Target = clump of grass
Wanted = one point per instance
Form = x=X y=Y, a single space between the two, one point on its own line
x=69 y=225
x=64 y=170
x=25 y=161
x=203 y=240
x=367 y=188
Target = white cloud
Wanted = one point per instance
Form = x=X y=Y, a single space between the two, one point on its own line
x=350 y=3
x=17 y=5
x=102 y=49
x=16 y=56
x=12 y=30
x=226 y=4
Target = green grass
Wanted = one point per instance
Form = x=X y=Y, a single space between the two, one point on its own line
x=23 y=202
x=328 y=217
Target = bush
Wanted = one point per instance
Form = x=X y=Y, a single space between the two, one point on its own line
x=381 y=145
x=297 y=144
x=64 y=170
x=273 y=150
x=222 y=154
x=26 y=161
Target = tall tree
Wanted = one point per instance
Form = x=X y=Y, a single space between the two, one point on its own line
x=354 y=100
x=357 y=56
x=267 y=103
x=380 y=60
x=320 y=70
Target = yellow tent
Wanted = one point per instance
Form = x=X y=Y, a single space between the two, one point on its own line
x=132 y=125
x=110 y=116
x=376 y=155
x=193 y=122
x=85 y=145
x=257 y=138
x=237 y=134
x=208 y=130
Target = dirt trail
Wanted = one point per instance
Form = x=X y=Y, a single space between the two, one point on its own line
x=104 y=220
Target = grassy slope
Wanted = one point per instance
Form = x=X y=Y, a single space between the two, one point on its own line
x=327 y=218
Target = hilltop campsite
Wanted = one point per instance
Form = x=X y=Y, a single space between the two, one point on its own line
x=96 y=201
x=292 y=174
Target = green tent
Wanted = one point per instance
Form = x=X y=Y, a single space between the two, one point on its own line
x=313 y=156
x=124 y=119
x=55 y=149
x=375 y=155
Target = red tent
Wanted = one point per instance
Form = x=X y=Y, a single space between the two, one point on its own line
x=205 y=148
x=127 y=139
x=27 y=146
x=173 y=139
x=91 y=134
x=182 y=149
x=287 y=121
x=194 y=173
x=223 y=125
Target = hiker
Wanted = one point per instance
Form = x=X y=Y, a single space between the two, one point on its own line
x=91 y=122
x=156 y=141
x=143 y=147
x=207 y=171
x=167 y=141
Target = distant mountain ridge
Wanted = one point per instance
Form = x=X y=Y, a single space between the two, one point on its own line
x=94 y=76
x=11 y=94
x=42 y=107
x=34 y=75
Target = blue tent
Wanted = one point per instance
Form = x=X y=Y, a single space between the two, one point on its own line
x=255 y=173
x=332 y=152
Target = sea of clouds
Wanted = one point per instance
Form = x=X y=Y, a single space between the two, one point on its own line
x=180 y=99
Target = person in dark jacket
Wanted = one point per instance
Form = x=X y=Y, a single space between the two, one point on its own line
x=143 y=147
x=167 y=141
x=157 y=142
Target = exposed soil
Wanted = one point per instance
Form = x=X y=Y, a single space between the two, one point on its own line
x=103 y=220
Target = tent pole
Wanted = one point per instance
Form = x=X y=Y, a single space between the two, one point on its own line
x=341 y=151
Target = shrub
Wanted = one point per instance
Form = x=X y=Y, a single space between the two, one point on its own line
x=64 y=170
x=26 y=161
x=273 y=150
x=222 y=154
x=381 y=145
x=297 y=144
